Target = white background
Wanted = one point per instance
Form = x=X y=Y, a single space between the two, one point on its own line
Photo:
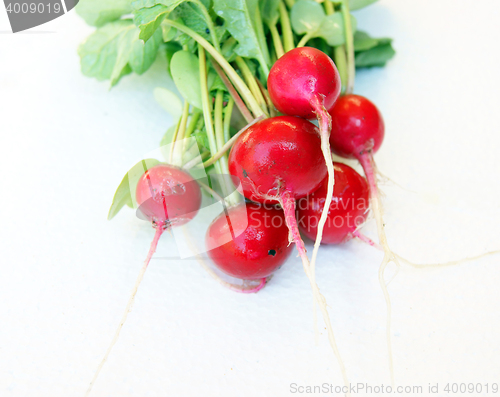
x=66 y=272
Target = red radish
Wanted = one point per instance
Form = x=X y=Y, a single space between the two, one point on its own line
x=278 y=160
x=348 y=209
x=357 y=132
x=305 y=82
x=168 y=197
x=357 y=127
x=249 y=241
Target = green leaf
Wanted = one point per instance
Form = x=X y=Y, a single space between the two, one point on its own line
x=358 y=4
x=185 y=70
x=149 y=14
x=104 y=54
x=376 y=56
x=100 y=12
x=269 y=11
x=363 y=41
x=169 y=101
x=128 y=184
x=242 y=22
x=332 y=29
x=144 y=54
x=193 y=18
x=149 y=20
x=306 y=16
x=115 y=50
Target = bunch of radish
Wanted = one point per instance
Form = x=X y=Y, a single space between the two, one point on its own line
x=248 y=69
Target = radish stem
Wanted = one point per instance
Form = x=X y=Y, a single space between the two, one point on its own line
x=152 y=250
x=286 y=27
x=234 y=94
x=349 y=38
x=278 y=44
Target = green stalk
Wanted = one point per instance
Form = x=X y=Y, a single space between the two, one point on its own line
x=235 y=78
x=341 y=62
x=259 y=29
x=290 y=3
x=303 y=41
x=207 y=105
x=219 y=136
x=278 y=45
x=339 y=53
x=251 y=83
x=286 y=27
x=228 y=112
x=329 y=7
x=232 y=91
x=351 y=66
x=192 y=124
x=178 y=144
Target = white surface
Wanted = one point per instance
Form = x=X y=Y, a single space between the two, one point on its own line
x=66 y=272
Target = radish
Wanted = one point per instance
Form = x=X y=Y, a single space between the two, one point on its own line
x=279 y=160
x=249 y=241
x=305 y=82
x=348 y=209
x=167 y=196
x=357 y=132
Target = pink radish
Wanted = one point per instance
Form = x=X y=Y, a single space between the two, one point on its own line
x=249 y=241
x=348 y=209
x=305 y=82
x=168 y=197
x=279 y=160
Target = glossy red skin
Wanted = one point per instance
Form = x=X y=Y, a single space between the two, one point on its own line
x=258 y=249
x=168 y=195
x=276 y=154
x=357 y=126
x=299 y=75
x=347 y=211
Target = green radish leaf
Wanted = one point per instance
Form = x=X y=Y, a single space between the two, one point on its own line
x=376 y=56
x=306 y=16
x=332 y=29
x=358 y=4
x=116 y=50
x=149 y=14
x=363 y=41
x=99 y=12
x=185 y=70
x=128 y=184
x=105 y=53
x=269 y=11
x=169 y=101
x=242 y=19
x=170 y=49
x=144 y=54
x=194 y=19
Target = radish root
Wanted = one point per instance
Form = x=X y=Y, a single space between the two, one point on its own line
x=366 y=160
x=152 y=250
x=288 y=204
x=325 y=126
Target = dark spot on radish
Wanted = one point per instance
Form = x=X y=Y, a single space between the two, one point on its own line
x=271 y=252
